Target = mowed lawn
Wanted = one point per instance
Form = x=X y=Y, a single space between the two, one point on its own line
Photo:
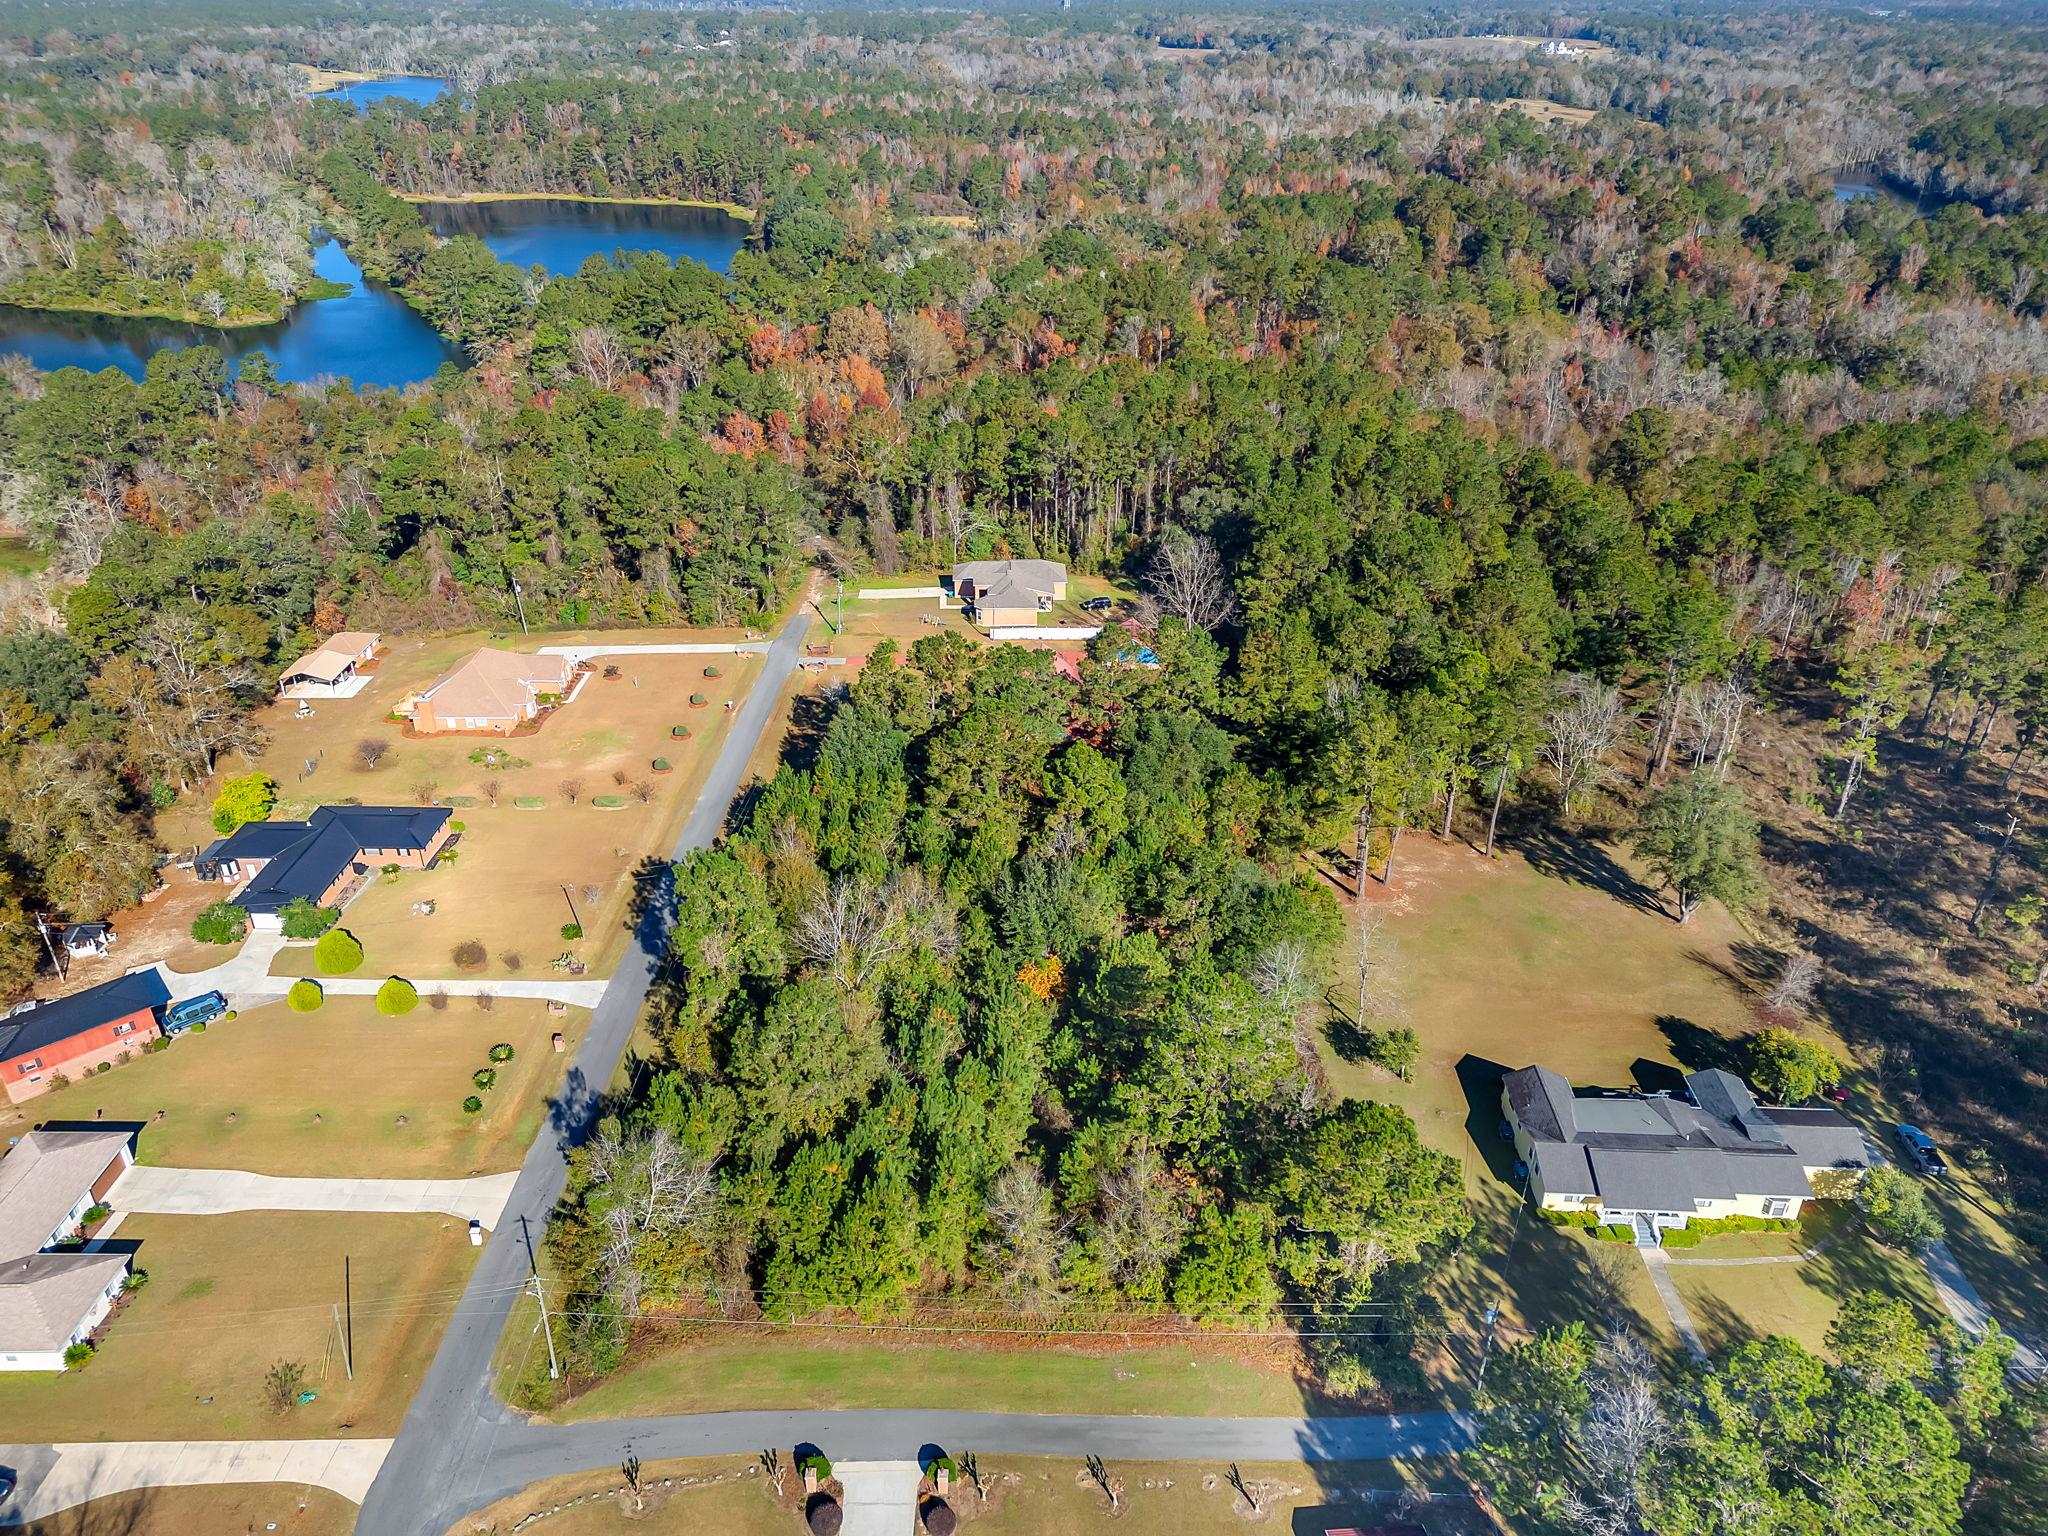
x=726 y=1495
x=226 y=1509
x=230 y=1296
x=341 y=1091
x=801 y=1370
x=505 y=887
x=1553 y=954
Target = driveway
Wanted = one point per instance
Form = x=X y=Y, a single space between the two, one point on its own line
x=148 y=1190
x=1965 y=1304
x=243 y=975
x=55 y=1477
x=879 y=1497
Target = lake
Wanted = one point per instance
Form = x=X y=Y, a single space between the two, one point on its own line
x=369 y=336
x=560 y=234
x=1865 y=183
x=364 y=94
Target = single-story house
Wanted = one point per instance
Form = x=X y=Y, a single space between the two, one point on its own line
x=331 y=671
x=82 y=941
x=494 y=691
x=50 y=1301
x=74 y=1035
x=324 y=858
x=998 y=593
x=1653 y=1161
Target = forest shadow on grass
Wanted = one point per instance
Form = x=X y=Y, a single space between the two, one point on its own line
x=1579 y=858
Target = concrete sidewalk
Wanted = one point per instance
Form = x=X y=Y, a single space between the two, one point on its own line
x=145 y=1189
x=55 y=1477
x=579 y=994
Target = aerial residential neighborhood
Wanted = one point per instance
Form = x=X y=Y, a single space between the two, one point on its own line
x=901 y=770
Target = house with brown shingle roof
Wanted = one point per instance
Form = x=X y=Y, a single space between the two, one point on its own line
x=492 y=691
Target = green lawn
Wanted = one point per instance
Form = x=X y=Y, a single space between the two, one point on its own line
x=19 y=558
x=323 y=1093
x=803 y=1370
x=228 y=1297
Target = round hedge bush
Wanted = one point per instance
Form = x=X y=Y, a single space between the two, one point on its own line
x=572 y=931
x=662 y=765
x=502 y=1051
x=304 y=996
x=221 y=923
x=397 y=996
x=698 y=701
x=337 y=952
x=713 y=672
x=486 y=1078
x=680 y=732
x=472 y=1105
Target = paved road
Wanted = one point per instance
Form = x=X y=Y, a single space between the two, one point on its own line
x=436 y=1468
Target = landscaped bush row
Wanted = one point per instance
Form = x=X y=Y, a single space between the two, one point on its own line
x=1699 y=1229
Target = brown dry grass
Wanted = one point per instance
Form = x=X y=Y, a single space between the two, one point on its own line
x=224 y=1509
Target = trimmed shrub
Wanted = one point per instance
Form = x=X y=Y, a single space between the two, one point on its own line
x=1583 y=1220
x=713 y=672
x=486 y=1078
x=1616 y=1232
x=502 y=1051
x=397 y=996
x=608 y=802
x=221 y=923
x=302 y=920
x=572 y=931
x=528 y=803
x=662 y=765
x=472 y=1105
x=96 y=1213
x=77 y=1354
x=459 y=826
x=338 y=952
x=680 y=732
x=305 y=996
x=698 y=701
x=137 y=1279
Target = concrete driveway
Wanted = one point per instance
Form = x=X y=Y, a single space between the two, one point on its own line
x=55 y=1477
x=880 y=1497
x=145 y=1189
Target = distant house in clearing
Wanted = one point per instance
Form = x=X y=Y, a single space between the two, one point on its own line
x=50 y=1301
x=323 y=859
x=1002 y=593
x=1654 y=1161
x=334 y=671
x=494 y=691
x=74 y=1035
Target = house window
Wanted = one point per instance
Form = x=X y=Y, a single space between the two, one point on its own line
x=124 y=1029
x=1777 y=1210
x=34 y=1065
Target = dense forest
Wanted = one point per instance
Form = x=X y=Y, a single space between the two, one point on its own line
x=1463 y=458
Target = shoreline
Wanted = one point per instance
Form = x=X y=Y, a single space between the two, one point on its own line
x=319 y=78
x=734 y=210
x=183 y=317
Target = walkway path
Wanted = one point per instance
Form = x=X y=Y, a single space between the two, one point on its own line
x=879 y=1497
x=148 y=1190
x=55 y=1477
x=581 y=994
x=1658 y=1262
x=581 y=653
x=1963 y=1302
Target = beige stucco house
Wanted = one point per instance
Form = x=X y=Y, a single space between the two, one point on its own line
x=50 y=1301
x=1003 y=593
x=1654 y=1161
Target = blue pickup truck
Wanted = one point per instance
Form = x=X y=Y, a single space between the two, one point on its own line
x=203 y=1009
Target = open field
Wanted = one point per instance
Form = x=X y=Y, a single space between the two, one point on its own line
x=1549 y=111
x=505 y=885
x=801 y=1369
x=225 y=1509
x=229 y=1297
x=323 y=1094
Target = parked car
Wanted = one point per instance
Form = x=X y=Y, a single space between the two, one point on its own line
x=1921 y=1150
x=476 y=1233
x=203 y=1009
x=1097 y=604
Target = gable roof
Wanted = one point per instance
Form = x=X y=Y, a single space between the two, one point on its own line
x=44 y=1177
x=1009 y=583
x=1655 y=1152
x=334 y=656
x=45 y=1296
x=60 y=1018
x=492 y=684
x=305 y=858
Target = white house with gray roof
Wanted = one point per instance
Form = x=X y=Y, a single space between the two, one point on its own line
x=1008 y=592
x=1654 y=1161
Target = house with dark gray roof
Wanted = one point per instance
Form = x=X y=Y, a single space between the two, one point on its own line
x=1654 y=1161
x=324 y=859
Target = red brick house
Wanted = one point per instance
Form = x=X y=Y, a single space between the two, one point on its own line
x=74 y=1034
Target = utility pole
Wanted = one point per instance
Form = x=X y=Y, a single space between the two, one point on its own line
x=540 y=1295
x=2012 y=825
x=348 y=1332
x=519 y=598
x=57 y=964
x=840 y=627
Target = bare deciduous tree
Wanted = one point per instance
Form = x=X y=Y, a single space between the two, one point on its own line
x=1022 y=1251
x=1583 y=726
x=1186 y=575
x=647 y=1188
x=1793 y=990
